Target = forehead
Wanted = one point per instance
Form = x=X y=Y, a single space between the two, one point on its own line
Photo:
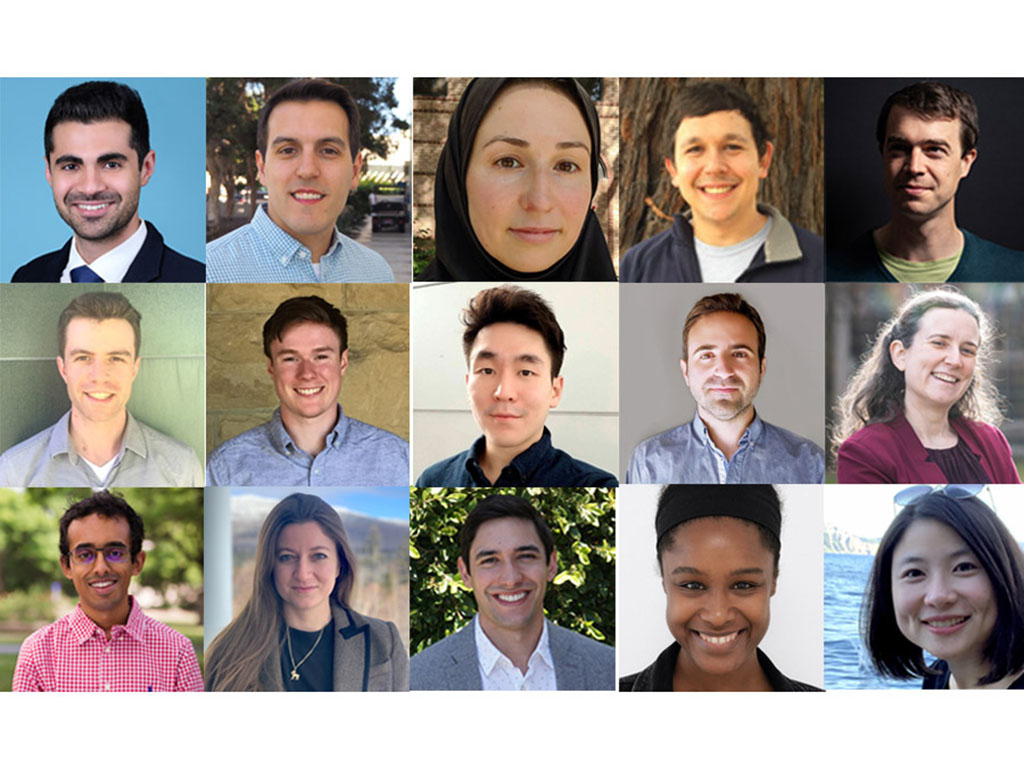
x=311 y=120
x=904 y=124
x=505 y=534
x=304 y=335
x=113 y=334
x=92 y=139
x=535 y=113
x=98 y=530
x=722 y=329
x=926 y=538
x=950 y=322
x=303 y=536
x=510 y=340
x=714 y=125
x=723 y=540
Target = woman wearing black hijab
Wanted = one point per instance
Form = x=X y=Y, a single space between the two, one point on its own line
x=515 y=183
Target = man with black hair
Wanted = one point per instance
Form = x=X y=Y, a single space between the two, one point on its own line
x=507 y=558
x=97 y=160
x=720 y=153
x=107 y=643
x=309 y=441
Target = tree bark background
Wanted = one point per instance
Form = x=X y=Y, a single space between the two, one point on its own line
x=792 y=109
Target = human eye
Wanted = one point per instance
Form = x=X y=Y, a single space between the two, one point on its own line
x=487 y=561
x=741 y=353
x=285 y=557
x=112 y=164
x=319 y=555
x=83 y=555
x=969 y=351
x=527 y=372
x=567 y=166
x=507 y=162
x=706 y=355
x=692 y=586
x=116 y=554
x=966 y=566
x=745 y=586
x=484 y=371
x=909 y=574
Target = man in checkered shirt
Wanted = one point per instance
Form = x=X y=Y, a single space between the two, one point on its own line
x=107 y=643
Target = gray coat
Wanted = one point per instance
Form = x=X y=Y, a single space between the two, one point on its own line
x=581 y=664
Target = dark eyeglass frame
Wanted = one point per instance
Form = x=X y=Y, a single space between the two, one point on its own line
x=953 y=490
x=87 y=555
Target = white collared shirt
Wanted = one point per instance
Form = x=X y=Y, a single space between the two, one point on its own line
x=497 y=673
x=113 y=265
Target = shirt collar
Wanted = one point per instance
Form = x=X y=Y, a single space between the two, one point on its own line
x=283 y=442
x=82 y=627
x=60 y=438
x=489 y=655
x=525 y=464
x=113 y=265
x=750 y=436
x=284 y=244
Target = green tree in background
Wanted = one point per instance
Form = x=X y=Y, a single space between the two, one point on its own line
x=582 y=595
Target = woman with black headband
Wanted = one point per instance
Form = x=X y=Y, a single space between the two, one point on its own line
x=718 y=550
x=515 y=183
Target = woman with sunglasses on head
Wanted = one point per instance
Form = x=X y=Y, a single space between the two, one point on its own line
x=948 y=578
x=718 y=552
x=515 y=183
x=922 y=406
x=298 y=632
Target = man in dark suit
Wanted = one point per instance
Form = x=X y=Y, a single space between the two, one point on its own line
x=97 y=160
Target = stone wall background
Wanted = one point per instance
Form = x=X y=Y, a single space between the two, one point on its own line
x=240 y=393
x=430 y=131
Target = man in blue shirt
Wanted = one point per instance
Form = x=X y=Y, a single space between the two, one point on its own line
x=308 y=159
x=727 y=442
x=514 y=348
x=309 y=441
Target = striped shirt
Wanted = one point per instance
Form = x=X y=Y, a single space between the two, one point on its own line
x=262 y=252
x=73 y=654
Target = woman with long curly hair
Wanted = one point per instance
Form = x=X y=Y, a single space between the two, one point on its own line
x=298 y=632
x=922 y=407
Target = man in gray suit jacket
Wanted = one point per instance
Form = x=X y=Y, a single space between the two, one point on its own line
x=507 y=558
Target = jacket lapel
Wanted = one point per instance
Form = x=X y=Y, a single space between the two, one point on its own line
x=351 y=651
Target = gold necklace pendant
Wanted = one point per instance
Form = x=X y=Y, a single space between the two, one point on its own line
x=295 y=675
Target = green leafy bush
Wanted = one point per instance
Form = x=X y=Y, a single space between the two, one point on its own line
x=582 y=595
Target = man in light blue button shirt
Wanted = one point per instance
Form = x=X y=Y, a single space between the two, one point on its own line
x=309 y=440
x=727 y=442
x=308 y=159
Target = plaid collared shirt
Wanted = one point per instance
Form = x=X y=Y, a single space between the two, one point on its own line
x=73 y=654
x=262 y=252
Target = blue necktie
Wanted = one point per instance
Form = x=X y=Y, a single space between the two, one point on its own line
x=85 y=275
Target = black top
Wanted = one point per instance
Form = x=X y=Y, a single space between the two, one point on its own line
x=154 y=263
x=940 y=680
x=315 y=673
x=959 y=464
x=658 y=676
x=459 y=255
x=539 y=465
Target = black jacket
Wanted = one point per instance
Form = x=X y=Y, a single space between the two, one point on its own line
x=155 y=263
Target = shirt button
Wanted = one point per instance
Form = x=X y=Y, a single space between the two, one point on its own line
x=106 y=686
x=107 y=649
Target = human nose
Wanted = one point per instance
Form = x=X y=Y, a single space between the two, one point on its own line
x=939 y=592
x=308 y=166
x=716 y=608
x=715 y=159
x=915 y=161
x=506 y=388
x=509 y=575
x=953 y=356
x=90 y=181
x=305 y=369
x=303 y=569
x=537 y=194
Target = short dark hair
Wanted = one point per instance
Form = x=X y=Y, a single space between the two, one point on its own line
x=986 y=535
x=511 y=304
x=304 y=309
x=104 y=504
x=701 y=99
x=934 y=101
x=100 y=100
x=495 y=508
x=725 y=302
x=674 y=494
x=99 y=305
x=310 y=89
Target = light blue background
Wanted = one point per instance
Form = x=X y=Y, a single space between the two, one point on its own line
x=174 y=200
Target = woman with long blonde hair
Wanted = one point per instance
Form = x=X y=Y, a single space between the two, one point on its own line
x=298 y=632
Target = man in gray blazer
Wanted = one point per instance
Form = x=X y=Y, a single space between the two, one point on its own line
x=507 y=558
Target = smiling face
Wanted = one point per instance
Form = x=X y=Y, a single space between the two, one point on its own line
x=510 y=386
x=306 y=567
x=96 y=178
x=721 y=367
x=718 y=579
x=508 y=575
x=717 y=170
x=102 y=585
x=940 y=361
x=308 y=170
x=942 y=596
x=922 y=163
x=306 y=365
x=98 y=365
x=528 y=178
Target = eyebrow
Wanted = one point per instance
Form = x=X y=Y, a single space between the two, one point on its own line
x=324 y=140
x=90 y=545
x=289 y=351
x=715 y=346
x=516 y=142
x=896 y=139
x=526 y=357
x=687 y=569
x=940 y=335
x=948 y=556
x=314 y=548
x=518 y=550
x=79 y=350
x=726 y=137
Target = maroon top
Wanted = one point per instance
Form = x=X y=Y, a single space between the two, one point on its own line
x=891 y=453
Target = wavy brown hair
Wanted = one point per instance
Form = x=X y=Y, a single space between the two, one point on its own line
x=242 y=656
x=875 y=392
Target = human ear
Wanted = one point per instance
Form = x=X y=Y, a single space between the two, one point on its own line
x=898 y=353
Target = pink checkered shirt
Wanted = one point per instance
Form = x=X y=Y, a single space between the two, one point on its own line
x=73 y=654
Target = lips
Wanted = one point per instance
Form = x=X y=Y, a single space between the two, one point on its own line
x=945 y=624
x=307 y=196
x=101 y=396
x=511 y=598
x=91 y=208
x=946 y=378
x=535 y=234
x=309 y=391
x=103 y=586
x=717 y=641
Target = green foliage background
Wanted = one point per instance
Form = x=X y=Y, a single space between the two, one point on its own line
x=582 y=595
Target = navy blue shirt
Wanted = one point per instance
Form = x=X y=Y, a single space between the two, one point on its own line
x=539 y=465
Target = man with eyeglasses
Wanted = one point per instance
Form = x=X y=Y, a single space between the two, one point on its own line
x=107 y=643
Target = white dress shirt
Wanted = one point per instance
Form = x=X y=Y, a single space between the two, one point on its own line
x=113 y=265
x=497 y=673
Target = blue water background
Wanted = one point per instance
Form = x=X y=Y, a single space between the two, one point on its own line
x=847 y=664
